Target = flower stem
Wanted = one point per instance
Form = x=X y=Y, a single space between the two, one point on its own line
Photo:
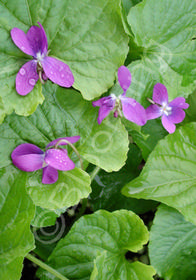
x=94 y=173
x=46 y=267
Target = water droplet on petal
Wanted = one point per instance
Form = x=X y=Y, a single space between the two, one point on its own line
x=61 y=68
x=62 y=76
x=23 y=48
x=32 y=82
x=22 y=71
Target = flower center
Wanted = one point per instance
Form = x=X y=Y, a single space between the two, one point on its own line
x=165 y=109
x=118 y=105
x=39 y=57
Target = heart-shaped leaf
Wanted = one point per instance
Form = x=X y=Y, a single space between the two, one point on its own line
x=165 y=29
x=87 y=35
x=110 y=234
x=173 y=245
x=16 y=213
x=169 y=175
x=98 y=144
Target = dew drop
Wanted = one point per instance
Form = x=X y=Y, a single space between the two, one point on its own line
x=23 y=48
x=22 y=71
x=62 y=76
x=61 y=68
x=32 y=82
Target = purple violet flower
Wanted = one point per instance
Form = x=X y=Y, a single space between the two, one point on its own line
x=42 y=66
x=29 y=158
x=132 y=110
x=171 y=113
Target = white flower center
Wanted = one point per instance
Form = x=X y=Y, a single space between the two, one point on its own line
x=39 y=56
x=113 y=96
x=165 y=109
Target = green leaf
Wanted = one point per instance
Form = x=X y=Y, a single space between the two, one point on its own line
x=101 y=147
x=99 y=144
x=150 y=134
x=128 y=4
x=88 y=36
x=165 y=29
x=11 y=59
x=71 y=186
x=169 y=174
x=114 y=233
x=191 y=111
x=106 y=187
x=12 y=269
x=44 y=217
x=108 y=266
x=91 y=39
x=16 y=212
x=125 y=7
x=173 y=245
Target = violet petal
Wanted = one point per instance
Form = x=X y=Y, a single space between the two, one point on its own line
x=124 y=78
x=28 y=157
x=37 y=40
x=50 y=175
x=160 y=95
x=27 y=77
x=57 y=71
x=21 y=41
x=106 y=105
x=179 y=102
x=153 y=112
x=59 y=159
x=103 y=113
x=133 y=111
x=169 y=126
x=72 y=140
x=44 y=40
x=177 y=115
x=101 y=101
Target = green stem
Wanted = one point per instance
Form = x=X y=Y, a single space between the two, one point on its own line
x=94 y=173
x=46 y=267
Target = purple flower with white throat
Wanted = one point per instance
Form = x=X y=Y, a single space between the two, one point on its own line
x=171 y=112
x=29 y=158
x=132 y=110
x=42 y=66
